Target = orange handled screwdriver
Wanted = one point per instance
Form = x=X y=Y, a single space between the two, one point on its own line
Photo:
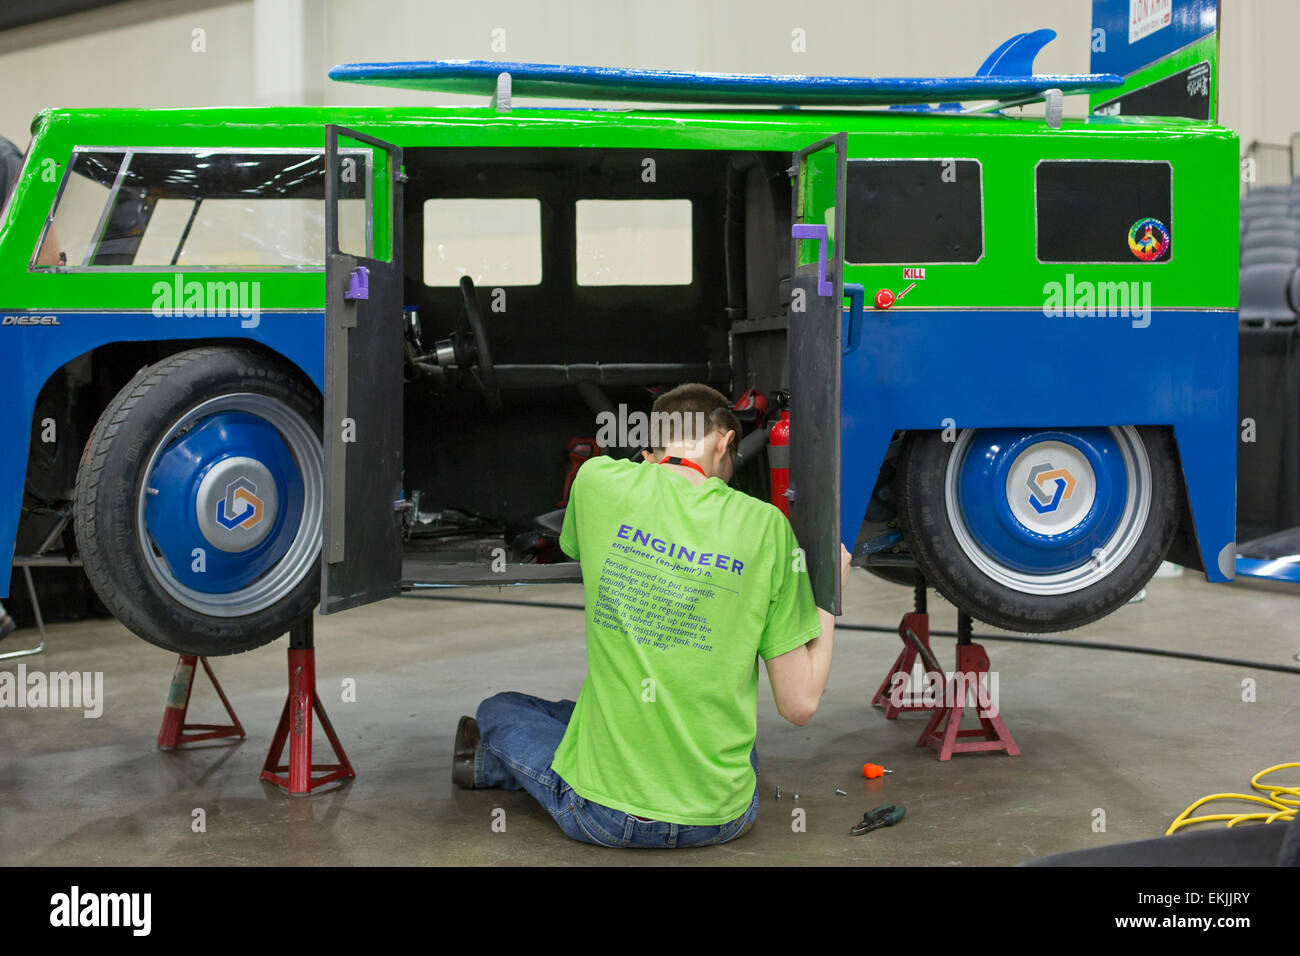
x=873 y=770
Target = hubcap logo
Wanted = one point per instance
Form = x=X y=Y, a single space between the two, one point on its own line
x=241 y=507
x=1043 y=477
x=236 y=504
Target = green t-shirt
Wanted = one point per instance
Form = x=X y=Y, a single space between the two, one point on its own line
x=686 y=587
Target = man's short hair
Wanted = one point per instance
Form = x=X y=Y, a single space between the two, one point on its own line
x=674 y=413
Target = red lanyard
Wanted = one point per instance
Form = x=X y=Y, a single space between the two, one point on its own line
x=684 y=462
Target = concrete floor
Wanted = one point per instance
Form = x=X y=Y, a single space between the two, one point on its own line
x=1139 y=737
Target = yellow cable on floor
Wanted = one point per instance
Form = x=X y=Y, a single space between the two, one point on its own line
x=1282 y=801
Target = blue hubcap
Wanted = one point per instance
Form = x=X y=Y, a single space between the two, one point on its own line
x=231 y=487
x=229 y=513
x=1048 y=511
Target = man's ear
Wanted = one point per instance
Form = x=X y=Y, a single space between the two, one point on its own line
x=724 y=443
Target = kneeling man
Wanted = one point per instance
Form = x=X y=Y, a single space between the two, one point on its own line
x=688 y=583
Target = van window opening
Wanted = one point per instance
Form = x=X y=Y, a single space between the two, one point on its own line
x=633 y=242
x=493 y=241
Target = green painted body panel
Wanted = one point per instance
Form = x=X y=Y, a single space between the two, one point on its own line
x=1201 y=272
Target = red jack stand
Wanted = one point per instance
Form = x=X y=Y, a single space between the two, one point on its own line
x=914 y=644
x=174 y=731
x=944 y=729
x=302 y=701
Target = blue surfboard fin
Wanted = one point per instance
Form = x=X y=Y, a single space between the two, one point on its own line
x=1012 y=57
x=1016 y=56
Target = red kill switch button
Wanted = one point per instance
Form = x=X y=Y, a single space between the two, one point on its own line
x=884 y=299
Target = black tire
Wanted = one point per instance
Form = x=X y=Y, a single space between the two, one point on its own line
x=109 y=485
x=928 y=530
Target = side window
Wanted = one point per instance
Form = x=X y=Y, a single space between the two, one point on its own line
x=1103 y=211
x=633 y=241
x=82 y=202
x=493 y=241
x=183 y=209
x=914 y=211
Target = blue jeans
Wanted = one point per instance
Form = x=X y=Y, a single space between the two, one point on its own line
x=520 y=734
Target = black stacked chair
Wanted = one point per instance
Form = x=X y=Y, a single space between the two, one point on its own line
x=1265 y=294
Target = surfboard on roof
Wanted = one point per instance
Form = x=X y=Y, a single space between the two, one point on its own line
x=1007 y=74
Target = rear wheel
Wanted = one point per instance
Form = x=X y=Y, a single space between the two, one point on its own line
x=1039 y=530
x=199 y=501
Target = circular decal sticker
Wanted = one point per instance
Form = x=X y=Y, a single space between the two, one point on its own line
x=1149 y=239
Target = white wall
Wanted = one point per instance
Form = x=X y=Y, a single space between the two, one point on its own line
x=1259 y=50
x=134 y=54
x=259 y=51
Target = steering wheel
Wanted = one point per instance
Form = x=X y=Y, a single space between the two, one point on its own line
x=470 y=346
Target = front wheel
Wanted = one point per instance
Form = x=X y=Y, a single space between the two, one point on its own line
x=1039 y=530
x=199 y=501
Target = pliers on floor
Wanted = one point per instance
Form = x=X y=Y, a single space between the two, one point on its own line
x=885 y=816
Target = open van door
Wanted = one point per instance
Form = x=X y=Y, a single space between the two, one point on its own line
x=361 y=556
x=816 y=309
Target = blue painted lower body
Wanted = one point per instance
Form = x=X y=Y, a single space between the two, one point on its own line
x=1021 y=370
x=907 y=370
x=34 y=353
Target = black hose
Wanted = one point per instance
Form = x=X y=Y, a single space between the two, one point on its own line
x=596 y=399
x=1057 y=641
x=751 y=445
x=1094 y=645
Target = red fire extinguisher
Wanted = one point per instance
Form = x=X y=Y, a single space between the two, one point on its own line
x=778 y=456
